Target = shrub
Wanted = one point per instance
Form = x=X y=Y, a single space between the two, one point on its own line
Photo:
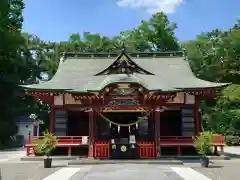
x=46 y=145
x=203 y=143
x=232 y=140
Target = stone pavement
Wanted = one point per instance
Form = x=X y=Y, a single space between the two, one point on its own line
x=11 y=155
x=235 y=150
x=35 y=171
x=222 y=170
x=13 y=169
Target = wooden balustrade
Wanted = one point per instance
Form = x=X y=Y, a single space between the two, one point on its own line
x=147 y=149
x=184 y=140
x=176 y=140
x=62 y=141
x=101 y=149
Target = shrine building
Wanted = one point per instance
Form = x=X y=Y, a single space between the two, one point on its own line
x=136 y=105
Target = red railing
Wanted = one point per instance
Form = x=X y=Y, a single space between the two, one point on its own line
x=186 y=140
x=218 y=139
x=67 y=141
x=64 y=140
x=101 y=149
x=147 y=149
x=176 y=140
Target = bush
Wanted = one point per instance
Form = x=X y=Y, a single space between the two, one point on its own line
x=15 y=141
x=203 y=143
x=38 y=150
x=46 y=145
x=232 y=140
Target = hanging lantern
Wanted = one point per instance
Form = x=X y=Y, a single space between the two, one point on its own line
x=118 y=129
x=110 y=125
x=136 y=125
x=129 y=129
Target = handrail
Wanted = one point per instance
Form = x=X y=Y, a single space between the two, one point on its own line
x=175 y=137
x=63 y=140
x=215 y=139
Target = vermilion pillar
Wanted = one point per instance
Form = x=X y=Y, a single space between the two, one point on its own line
x=51 y=123
x=198 y=124
x=157 y=131
x=91 y=132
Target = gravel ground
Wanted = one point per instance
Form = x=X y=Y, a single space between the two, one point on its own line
x=222 y=170
x=219 y=170
x=35 y=171
x=29 y=171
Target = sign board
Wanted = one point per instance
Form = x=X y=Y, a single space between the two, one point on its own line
x=84 y=139
x=123 y=102
x=132 y=139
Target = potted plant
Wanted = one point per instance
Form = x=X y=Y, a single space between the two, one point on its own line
x=203 y=145
x=45 y=146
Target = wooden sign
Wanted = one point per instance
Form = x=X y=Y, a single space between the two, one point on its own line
x=84 y=139
x=123 y=102
x=70 y=100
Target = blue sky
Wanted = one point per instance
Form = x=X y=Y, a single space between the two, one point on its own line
x=55 y=20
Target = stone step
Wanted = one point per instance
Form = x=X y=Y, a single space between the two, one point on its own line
x=106 y=161
x=40 y=158
x=222 y=157
x=86 y=160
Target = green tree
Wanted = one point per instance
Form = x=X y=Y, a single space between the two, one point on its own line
x=214 y=56
x=12 y=64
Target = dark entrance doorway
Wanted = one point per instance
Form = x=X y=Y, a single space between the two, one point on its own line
x=171 y=123
x=123 y=132
x=122 y=124
x=78 y=125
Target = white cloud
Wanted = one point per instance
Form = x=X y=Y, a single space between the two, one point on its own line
x=152 y=6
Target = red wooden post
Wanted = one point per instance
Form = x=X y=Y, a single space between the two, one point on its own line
x=51 y=123
x=28 y=143
x=179 y=149
x=157 y=131
x=69 y=150
x=91 y=134
x=198 y=125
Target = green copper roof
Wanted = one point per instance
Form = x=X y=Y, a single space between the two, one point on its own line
x=77 y=73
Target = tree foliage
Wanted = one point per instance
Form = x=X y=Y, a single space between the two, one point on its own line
x=25 y=58
x=214 y=56
x=13 y=67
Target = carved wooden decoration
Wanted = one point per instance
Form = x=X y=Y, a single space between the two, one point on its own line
x=178 y=99
x=70 y=100
x=58 y=100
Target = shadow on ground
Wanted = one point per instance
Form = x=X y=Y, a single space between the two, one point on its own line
x=232 y=156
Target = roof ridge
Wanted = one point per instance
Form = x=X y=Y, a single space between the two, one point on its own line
x=133 y=54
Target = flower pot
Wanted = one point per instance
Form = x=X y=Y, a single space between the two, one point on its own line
x=47 y=162
x=204 y=161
